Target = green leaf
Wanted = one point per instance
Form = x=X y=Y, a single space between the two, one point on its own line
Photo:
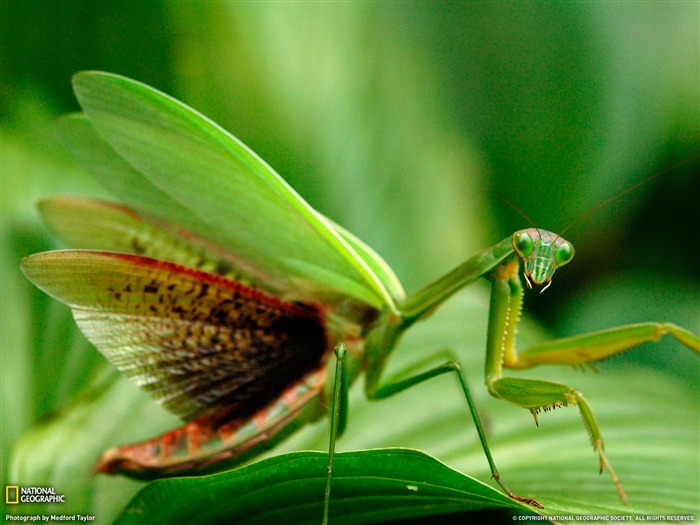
x=187 y=158
x=369 y=486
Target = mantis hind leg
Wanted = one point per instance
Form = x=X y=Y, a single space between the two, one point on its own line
x=393 y=386
x=409 y=378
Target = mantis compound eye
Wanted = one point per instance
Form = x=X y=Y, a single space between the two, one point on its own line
x=564 y=253
x=523 y=243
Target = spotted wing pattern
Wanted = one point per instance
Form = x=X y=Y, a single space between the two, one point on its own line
x=200 y=344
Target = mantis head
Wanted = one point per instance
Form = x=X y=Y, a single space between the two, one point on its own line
x=541 y=253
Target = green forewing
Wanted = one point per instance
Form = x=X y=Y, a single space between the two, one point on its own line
x=200 y=344
x=378 y=265
x=90 y=224
x=78 y=135
x=230 y=196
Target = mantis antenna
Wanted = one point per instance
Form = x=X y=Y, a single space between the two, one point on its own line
x=621 y=194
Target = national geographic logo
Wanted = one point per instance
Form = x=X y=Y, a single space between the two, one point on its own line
x=11 y=494
x=15 y=494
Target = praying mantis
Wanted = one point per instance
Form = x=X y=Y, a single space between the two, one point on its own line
x=224 y=295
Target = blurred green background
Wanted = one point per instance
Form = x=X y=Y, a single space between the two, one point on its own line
x=400 y=121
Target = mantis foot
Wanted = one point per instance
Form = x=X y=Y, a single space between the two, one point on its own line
x=605 y=465
x=529 y=501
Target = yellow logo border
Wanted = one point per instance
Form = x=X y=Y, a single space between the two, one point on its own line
x=7 y=494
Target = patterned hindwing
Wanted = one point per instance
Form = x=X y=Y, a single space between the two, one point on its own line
x=200 y=344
